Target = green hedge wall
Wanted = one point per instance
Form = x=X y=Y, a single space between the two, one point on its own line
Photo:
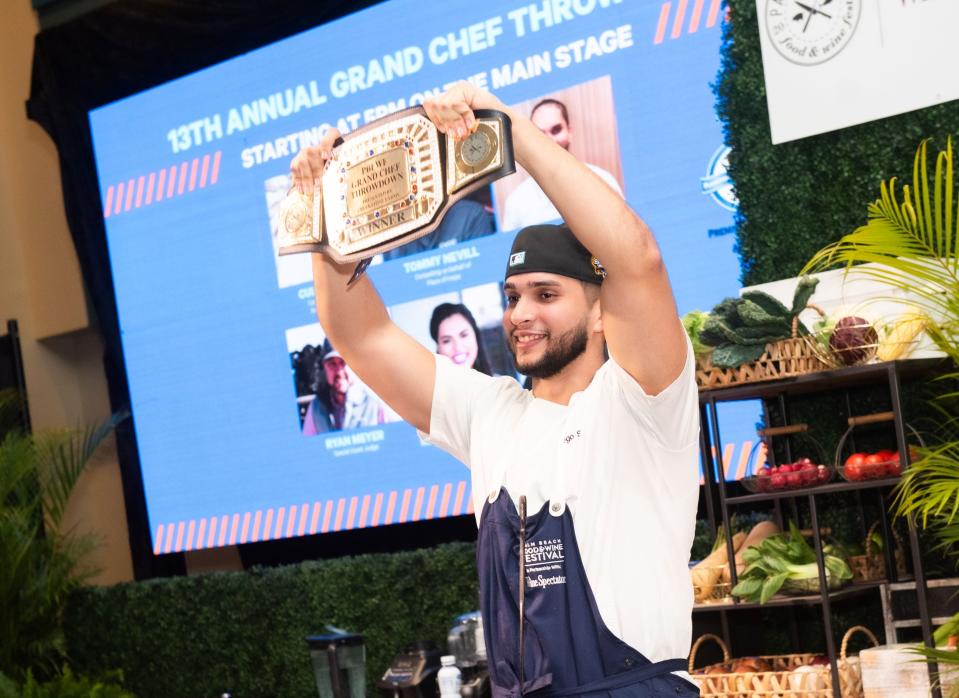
x=243 y=632
x=796 y=197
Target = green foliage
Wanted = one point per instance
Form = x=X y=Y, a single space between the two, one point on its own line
x=693 y=322
x=244 y=631
x=40 y=564
x=783 y=558
x=740 y=328
x=912 y=243
x=796 y=197
x=66 y=685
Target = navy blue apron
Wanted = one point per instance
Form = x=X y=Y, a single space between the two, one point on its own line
x=568 y=649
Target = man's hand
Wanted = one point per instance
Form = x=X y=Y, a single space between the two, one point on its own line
x=452 y=111
x=309 y=164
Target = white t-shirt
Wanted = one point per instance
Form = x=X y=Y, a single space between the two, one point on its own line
x=528 y=205
x=631 y=482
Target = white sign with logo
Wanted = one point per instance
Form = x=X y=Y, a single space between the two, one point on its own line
x=830 y=64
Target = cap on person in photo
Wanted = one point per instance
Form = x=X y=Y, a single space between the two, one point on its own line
x=555 y=250
x=328 y=352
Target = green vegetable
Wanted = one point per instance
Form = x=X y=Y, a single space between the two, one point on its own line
x=753 y=315
x=804 y=290
x=740 y=328
x=766 y=302
x=693 y=322
x=733 y=355
x=781 y=558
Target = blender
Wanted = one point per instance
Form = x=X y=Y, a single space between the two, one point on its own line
x=467 y=644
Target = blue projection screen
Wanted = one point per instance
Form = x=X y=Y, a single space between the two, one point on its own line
x=248 y=427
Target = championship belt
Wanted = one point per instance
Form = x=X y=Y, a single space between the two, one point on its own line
x=391 y=182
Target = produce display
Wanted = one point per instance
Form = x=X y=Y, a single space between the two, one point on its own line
x=789 y=476
x=853 y=340
x=740 y=328
x=871 y=466
x=706 y=574
x=900 y=338
x=711 y=577
x=787 y=562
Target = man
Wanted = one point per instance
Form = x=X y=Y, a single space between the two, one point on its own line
x=341 y=401
x=608 y=445
x=527 y=204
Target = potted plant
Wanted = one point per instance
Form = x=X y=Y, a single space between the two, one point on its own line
x=41 y=562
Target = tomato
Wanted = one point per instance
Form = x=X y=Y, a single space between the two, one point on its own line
x=888 y=455
x=855 y=459
x=874 y=465
x=853 y=469
x=894 y=467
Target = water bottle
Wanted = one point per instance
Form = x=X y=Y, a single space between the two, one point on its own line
x=449 y=678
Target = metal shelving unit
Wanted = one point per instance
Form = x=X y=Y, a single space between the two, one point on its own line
x=718 y=504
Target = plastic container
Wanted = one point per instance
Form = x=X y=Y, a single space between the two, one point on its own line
x=449 y=678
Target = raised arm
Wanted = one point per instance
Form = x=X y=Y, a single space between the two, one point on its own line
x=640 y=319
x=395 y=366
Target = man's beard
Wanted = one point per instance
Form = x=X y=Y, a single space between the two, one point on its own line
x=568 y=347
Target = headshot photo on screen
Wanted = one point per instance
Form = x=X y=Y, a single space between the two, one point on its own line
x=582 y=119
x=464 y=326
x=329 y=396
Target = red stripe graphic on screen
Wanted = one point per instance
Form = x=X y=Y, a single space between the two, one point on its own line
x=379 y=509
x=326 y=516
x=271 y=529
x=364 y=510
x=351 y=517
x=444 y=503
x=405 y=506
x=303 y=511
x=672 y=17
x=418 y=507
x=314 y=520
x=212 y=537
x=129 y=199
x=280 y=515
x=153 y=187
x=340 y=506
x=246 y=528
x=390 y=508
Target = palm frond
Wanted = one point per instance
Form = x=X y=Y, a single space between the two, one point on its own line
x=40 y=565
x=911 y=244
x=62 y=456
x=930 y=486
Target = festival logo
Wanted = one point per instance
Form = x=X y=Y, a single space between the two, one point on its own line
x=811 y=32
x=545 y=563
x=717 y=183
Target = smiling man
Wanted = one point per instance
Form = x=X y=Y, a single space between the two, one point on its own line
x=590 y=593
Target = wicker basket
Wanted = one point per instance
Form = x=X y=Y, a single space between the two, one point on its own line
x=719 y=591
x=872 y=565
x=782 y=680
x=785 y=358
